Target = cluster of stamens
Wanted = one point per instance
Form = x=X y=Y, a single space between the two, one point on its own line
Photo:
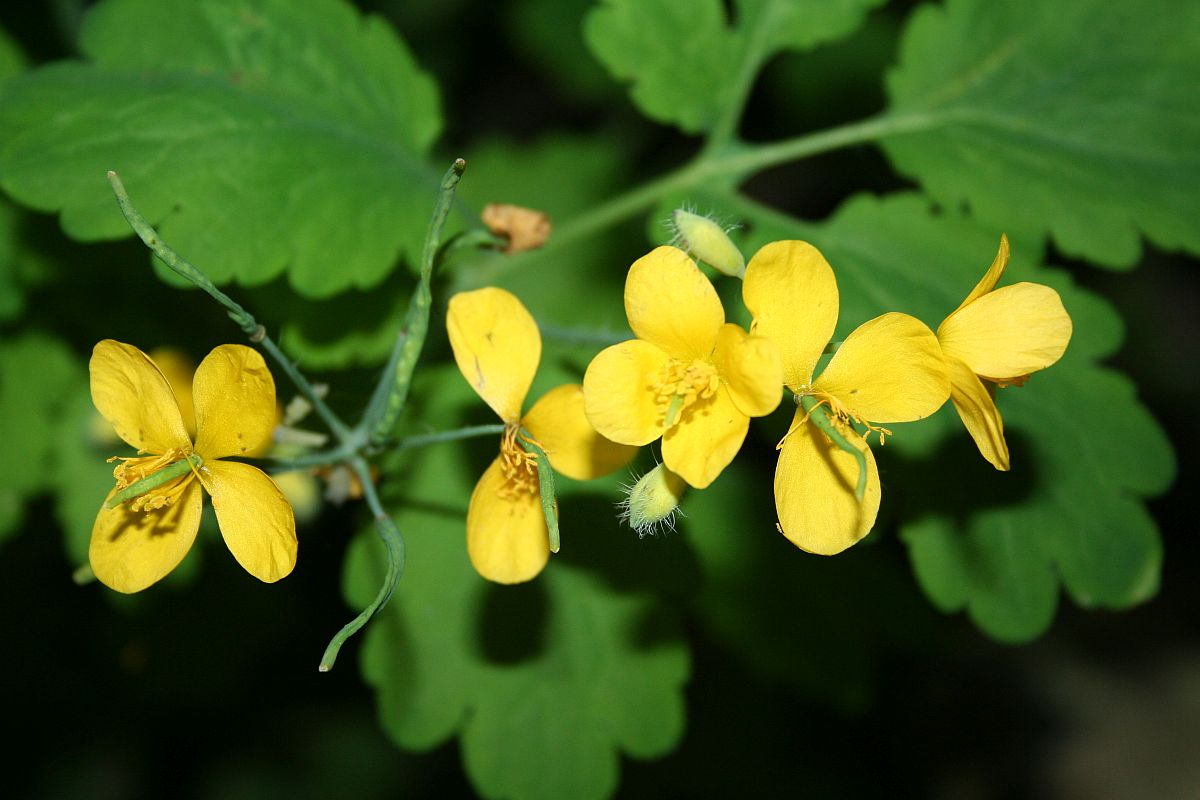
x=518 y=464
x=132 y=469
x=682 y=383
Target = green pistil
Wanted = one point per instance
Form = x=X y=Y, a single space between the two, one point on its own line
x=155 y=480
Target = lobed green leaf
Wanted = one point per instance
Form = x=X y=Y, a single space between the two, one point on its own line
x=689 y=65
x=1078 y=120
x=38 y=378
x=544 y=683
x=259 y=136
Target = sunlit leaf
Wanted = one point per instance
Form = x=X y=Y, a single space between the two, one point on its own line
x=1077 y=119
x=687 y=61
x=262 y=136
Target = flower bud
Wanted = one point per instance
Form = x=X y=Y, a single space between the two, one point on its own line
x=653 y=501
x=707 y=241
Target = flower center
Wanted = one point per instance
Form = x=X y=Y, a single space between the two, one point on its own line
x=682 y=383
x=152 y=482
x=518 y=464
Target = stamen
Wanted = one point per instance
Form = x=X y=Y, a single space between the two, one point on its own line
x=518 y=465
x=153 y=482
x=680 y=384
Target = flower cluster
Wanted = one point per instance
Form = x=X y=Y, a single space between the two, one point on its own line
x=694 y=381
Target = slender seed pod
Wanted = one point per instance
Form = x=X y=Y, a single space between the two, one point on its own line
x=154 y=480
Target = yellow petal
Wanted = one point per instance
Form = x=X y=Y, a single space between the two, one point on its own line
x=234 y=396
x=705 y=440
x=557 y=420
x=619 y=392
x=255 y=518
x=507 y=538
x=749 y=366
x=978 y=413
x=497 y=347
x=1010 y=332
x=671 y=305
x=177 y=368
x=992 y=276
x=814 y=491
x=792 y=294
x=131 y=550
x=129 y=391
x=889 y=370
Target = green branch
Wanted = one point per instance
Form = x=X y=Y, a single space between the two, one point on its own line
x=394 y=544
x=469 y=432
x=391 y=393
x=739 y=164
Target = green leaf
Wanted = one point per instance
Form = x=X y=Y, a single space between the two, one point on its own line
x=260 y=136
x=545 y=682
x=38 y=376
x=12 y=60
x=83 y=442
x=1085 y=451
x=1076 y=119
x=688 y=64
x=12 y=298
x=803 y=622
x=354 y=328
x=549 y=33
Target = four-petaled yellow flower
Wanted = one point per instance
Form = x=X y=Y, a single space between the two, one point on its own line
x=890 y=369
x=688 y=377
x=1000 y=336
x=497 y=347
x=138 y=540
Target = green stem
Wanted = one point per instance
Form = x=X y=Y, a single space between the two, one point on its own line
x=391 y=393
x=819 y=415
x=584 y=338
x=243 y=318
x=710 y=165
x=393 y=542
x=469 y=432
x=322 y=458
x=725 y=130
x=545 y=487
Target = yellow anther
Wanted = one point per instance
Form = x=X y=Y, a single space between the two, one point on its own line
x=682 y=383
x=518 y=464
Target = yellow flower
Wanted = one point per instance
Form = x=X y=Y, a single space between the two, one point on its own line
x=497 y=347
x=889 y=369
x=138 y=540
x=688 y=376
x=1000 y=336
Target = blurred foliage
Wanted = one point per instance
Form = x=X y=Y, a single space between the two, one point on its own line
x=294 y=148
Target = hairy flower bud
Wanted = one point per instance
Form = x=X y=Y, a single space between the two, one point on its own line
x=706 y=240
x=653 y=501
